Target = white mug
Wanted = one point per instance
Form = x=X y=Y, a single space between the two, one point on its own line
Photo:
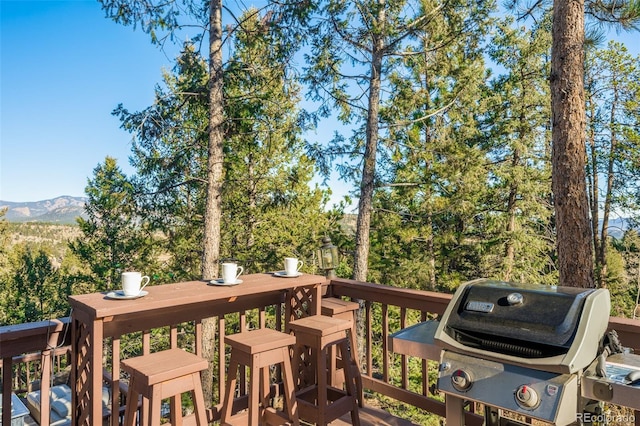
x=292 y=265
x=231 y=272
x=131 y=283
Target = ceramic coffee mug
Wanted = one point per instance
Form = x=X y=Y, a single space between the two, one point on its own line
x=292 y=265
x=132 y=283
x=231 y=272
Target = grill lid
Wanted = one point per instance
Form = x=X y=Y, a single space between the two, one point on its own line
x=535 y=313
x=527 y=324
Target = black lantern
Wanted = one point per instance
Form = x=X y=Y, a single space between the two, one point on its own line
x=328 y=258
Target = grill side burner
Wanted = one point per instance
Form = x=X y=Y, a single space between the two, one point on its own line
x=548 y=328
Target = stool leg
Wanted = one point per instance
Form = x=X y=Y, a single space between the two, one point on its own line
x=350 y=382
x=198 y=401
x=333 y=366
x=254 y=393
x=176 y=410
x=355 y=361
x=265 y=381
x=154 y=405
x=289 y=388
x=132 y=404
x=321 y=364
x=230 y=388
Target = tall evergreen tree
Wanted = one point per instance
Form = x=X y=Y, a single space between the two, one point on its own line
x=613 y=140
x=269 y=209
x=432 y=159
x=575 y=262
x=351 y=47
x=163 y=20
x=518 y=203
x=114 y=238
x=169 y=153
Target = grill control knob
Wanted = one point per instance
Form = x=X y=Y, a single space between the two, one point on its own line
x=461 y=380
x=514 y=299
x=527 y=397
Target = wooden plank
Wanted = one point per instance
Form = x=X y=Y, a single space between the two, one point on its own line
x=421 y=300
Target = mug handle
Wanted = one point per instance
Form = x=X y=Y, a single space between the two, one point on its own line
x=300 y=263
x=145 y=284
x=240 y=272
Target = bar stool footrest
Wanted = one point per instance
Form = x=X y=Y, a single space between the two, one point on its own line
x=309 y=410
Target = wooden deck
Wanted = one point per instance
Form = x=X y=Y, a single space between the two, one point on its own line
x=369 y=416
x=399 y=376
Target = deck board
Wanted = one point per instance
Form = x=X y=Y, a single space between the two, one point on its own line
x=371 y=416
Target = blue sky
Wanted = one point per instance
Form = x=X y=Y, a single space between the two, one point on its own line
x=63 y=68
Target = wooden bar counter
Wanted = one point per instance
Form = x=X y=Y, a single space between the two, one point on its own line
x=96 y=317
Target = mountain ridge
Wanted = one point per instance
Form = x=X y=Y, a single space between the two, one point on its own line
x=63 y=209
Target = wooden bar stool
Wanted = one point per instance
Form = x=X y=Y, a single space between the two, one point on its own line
x=258 y=350
x=319 y=402
x=342 y=309
x=165 y=374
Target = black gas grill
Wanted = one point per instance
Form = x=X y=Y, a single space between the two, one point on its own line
x=519 y=347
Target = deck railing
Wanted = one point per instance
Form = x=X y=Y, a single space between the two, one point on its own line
x=385 y=310
x=30 y=355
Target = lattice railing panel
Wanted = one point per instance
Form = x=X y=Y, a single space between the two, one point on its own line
x=81 y=345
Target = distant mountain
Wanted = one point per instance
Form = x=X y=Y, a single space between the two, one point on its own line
x=617 y=227
x=62 y=210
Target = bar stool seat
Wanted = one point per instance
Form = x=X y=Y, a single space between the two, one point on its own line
x=258 y=350
x=165 y=374
x=318 y=402
x=346 y=310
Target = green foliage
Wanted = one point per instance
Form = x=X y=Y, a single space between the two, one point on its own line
x=623 y=278
x=518 y=202
x=32 y=291
x=169 y=153
x=432 y=173
x=613 y=141
x=462 y=177
x=270 y=209
x=4 y=237
x=114 y=236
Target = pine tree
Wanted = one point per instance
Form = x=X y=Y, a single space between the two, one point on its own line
x=613 y=140
x=169 y=153
x=352 y=45
x=270 y=211
x=518 y=203
x=30 y=288
x=575 y=258
x=114 y=238
x=163 y=20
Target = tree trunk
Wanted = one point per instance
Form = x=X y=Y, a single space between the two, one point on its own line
x=510 y=249
x=213 y=209
x=575 y=262
x=365 y=204
x=431 y=251
x=593 y=187
x=604 y=233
